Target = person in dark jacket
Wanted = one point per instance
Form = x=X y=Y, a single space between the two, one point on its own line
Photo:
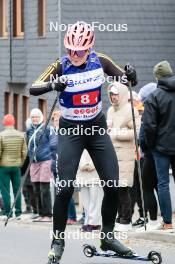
x=53 y=139
x=149 y=175
x=28 y=190
x=40 y=170
x=159 y=129
x=135 y=190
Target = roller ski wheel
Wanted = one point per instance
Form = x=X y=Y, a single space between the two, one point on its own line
x=155 y=257
x=89 y=251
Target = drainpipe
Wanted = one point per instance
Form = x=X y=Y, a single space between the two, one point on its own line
x=10 y=39
x=59 y=31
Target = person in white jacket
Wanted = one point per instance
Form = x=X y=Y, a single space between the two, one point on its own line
x=120 y=125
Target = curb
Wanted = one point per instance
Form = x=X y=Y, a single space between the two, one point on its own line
x=155 y=236
x=151 y=236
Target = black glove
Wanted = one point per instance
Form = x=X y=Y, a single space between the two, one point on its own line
x=59 y=85
x=131 y=74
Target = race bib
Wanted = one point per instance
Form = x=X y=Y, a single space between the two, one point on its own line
x=89 y=98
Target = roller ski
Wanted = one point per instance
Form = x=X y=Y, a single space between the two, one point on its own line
x=91 y=251
x=56 y=251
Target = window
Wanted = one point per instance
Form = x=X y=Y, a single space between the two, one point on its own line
x=42 y=104
x=25 y=111
x=41 y=18
x=18 y=18
x=16 y=109
x=3 y=18
x=6 y=103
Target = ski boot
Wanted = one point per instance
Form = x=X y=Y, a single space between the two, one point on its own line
x=110 y=243
x=56 y=251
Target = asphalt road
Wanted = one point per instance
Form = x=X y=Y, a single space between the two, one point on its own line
x=28 y=244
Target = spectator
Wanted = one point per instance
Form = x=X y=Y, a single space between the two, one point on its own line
x=91 y=193
x=72 y=215
x=135 y=193
x=13 y=151
x=158 y=124
x=40 y=170
x=1 y=205
x=80 y=221
x=28 y=190
x=122 y=135
x=53 y=138
x=136 y=101
x=149 y=174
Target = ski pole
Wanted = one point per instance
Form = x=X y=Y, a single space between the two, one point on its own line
x=28 y=168
x=137 y=155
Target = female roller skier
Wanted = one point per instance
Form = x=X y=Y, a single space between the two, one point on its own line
x=81 y=107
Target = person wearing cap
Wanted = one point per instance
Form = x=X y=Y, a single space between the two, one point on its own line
x=13 y=151
x=40 y=170
x=159 y=131
x=120 y=123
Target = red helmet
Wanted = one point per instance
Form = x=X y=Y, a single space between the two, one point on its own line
x=79 y=36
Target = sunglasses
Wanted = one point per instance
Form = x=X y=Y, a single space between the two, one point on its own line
x=79 y=53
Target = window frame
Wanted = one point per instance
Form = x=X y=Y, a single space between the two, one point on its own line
x=25 y=111
x=18 y=18
x=41 y=18
x=7 y=101
x=16 y=107
x=42 y=105
x=4 y=19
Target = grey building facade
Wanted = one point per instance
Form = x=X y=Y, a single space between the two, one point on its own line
x=149 y=38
